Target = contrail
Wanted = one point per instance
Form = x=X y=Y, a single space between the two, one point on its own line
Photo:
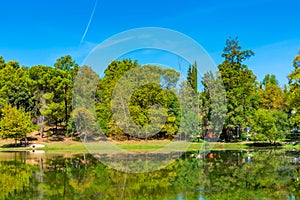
x=88 y=25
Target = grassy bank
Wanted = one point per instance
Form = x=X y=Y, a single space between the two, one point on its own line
x=148 y=146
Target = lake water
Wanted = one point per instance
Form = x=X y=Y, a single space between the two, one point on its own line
x=212 y=175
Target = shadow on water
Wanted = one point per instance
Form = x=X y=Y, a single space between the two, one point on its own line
x=264 y=144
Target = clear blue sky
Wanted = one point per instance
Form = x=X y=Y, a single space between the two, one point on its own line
x=38 y=32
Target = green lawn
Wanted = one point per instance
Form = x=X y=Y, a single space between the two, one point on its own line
x=79 y=147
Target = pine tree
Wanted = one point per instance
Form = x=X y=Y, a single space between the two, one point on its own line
x=240 y=84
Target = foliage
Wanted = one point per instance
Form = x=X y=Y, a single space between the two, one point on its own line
x=15 y=86
x=114 y=71
x=149 y=99
x=271 y=124
x=128 y=96
x=240 y=84
x=272 y=97
x=213 y=100
x=195 y=175
x=68 y=69
x=294 y=92
x=15 y=176
x=14 y=123
x=49 y=107
x=83 y=116
x=53 y=90
x=192 y=77
x=269 y=79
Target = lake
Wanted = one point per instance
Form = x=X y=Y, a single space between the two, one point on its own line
x=269 y=174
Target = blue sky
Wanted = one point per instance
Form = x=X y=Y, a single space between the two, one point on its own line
x=38 y=32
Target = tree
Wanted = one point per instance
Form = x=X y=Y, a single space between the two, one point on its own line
x=66 y=63
x=270 y=79
x=45 y=81
x=134 y=100
x=69 y=69
x=271 y=95
x=2 y=62
x=83 y=114
x=15 y=123
x=240 y=85
x=16 y=86
x=52 y=109
x=141 y=105
x=270 y=125
x=294 y=93
x=115 y=70
x=192 y=77
x=53 y=91
x=213 y=104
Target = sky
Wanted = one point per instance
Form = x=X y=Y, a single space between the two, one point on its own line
x=39 y=32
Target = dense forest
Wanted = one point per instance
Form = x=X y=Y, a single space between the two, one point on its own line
x=36 y=97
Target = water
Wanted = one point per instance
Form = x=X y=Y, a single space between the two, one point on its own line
x=216 y=175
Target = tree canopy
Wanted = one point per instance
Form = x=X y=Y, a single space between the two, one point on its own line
x=133 y=100
x=14 y=123
x=240 y=85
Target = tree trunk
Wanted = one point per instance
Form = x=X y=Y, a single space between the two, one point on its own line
x=56 y=124
x=66 y=107
x=41 y=132
x=227 y=138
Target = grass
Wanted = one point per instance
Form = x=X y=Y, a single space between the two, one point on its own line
x=65 y=147
x=148 y=146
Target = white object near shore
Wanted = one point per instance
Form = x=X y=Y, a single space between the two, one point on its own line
x=37 y=146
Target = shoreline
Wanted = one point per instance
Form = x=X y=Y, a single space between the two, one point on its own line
x=152 y=145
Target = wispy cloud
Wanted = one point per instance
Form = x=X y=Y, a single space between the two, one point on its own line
x=89 y=22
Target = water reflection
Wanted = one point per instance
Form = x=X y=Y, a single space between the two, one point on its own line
x=196 y=175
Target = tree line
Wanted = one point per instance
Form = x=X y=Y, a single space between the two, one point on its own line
x=41 y=96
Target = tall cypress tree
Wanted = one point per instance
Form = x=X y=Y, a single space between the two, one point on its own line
x=192 y=77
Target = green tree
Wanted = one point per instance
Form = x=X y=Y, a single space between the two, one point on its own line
x=271 y=95
x=2 y=62
x=53 y=91
x=52 y=109
x=192 y=77
x=69 y=69
x=140 y=101
x=269 y=125
x=115 y=70
x=294 y=92
x=83 y=115
x=45 y=83
x=270 y=79
x=240 y=85
x=15 y=123
x=135 y=98
x=213 y=103
x=16 y=86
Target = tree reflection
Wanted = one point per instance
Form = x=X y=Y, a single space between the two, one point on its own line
x=214 y=175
